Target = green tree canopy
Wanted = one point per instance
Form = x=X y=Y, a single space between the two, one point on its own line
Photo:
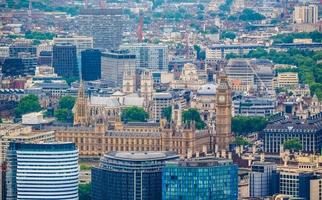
x=167 y=113
x=28 y=104
x=67 y=102
x=242 y=125
x=134 y=114
x=293 y=144
x=228 y=34
x=193 y=114
x=250 y=15
x=64 y=112
x=241 y=141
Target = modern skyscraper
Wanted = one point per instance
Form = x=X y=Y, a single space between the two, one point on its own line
x=22 y=46
x=130 y=175
x=106 y=26
x=65 y=60
x=149 y=56
x=42 y=171
x=13 y=67
x=200 y=178
x=223 y=135
x=45 y=58
x=114 y=64
x=81 y=42
x=161 y=100
x=306 y=14
x=260 y=179
x=91 y=64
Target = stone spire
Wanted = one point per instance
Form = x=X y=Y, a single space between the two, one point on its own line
x=80 y=109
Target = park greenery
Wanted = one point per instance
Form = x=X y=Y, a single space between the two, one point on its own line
x=250 y=15
x=225 y=7
x=85 y=167
x=228 y=34
x=39 y=36
x=27 y=104
x=64 y=111
x=310 y=71
x=241 y=141
x=289 y=37
x=293 y=144
x=84 y=191
x=242 y=125
x=134 y=114
x=192 y=115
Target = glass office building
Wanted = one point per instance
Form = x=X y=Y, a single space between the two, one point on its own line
x=42 y=171
x=130 y=176
x=206 y=178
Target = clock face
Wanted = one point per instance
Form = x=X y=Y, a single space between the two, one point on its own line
x=221 y=99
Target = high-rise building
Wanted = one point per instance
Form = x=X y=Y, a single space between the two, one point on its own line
x=223 y=135
x=200 y=178
x=297 y=182
x=306 y=14
x=114 y=64
x=260 y=179
x=13 y=67
x=22 y=46
x=45 y=58
x=91 y=64
x=149 y=56
x=42 y=171
x=65 y=60
x=161 y=100
x=106 y=26
x=81 y=42
x=130 y=175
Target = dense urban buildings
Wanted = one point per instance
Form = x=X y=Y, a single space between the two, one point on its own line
x=91 y=64
x=106 y=26
x=41 y=171
x=129 y=84
x=149 y=56
x=261 y=179
x=130 y=175
x=283 y=127
x=200 y=178
x=65 y=60
x=114 y=64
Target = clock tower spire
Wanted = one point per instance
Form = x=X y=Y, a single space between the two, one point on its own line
x=223 y=135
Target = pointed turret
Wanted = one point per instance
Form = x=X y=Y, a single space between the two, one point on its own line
x=80 y=109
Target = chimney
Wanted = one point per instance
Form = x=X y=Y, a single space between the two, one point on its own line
x=189 y=153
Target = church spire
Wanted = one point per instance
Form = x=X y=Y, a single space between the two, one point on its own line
x=80 y=109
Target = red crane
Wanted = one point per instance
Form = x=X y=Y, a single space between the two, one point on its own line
x=139 y=31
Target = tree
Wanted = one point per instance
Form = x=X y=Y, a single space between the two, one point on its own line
x=293 y=144
x=84 y=191
x=134 y=114
x=250 y=15
x=242 y=125
x=228 y=34
x=63 y=115
x=64 y=112
x=167 y=113
x=67 y=102
x=28 y=104
x=241 y=141
x=192 y=114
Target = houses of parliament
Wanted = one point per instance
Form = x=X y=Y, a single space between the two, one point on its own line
x=94 y=136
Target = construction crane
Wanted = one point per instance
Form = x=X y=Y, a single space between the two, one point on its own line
x=139 y=31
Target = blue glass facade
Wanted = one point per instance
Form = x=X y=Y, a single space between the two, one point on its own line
x=202 y=181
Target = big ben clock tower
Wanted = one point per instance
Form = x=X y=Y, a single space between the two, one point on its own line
x=223 y=135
